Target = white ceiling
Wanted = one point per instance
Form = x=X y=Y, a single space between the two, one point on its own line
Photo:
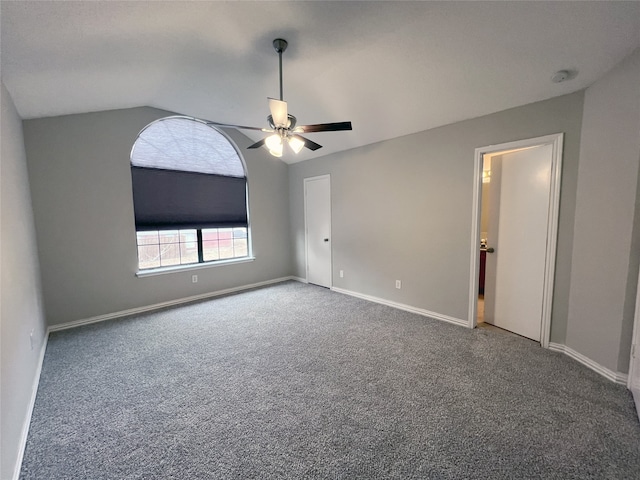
x=392 y=68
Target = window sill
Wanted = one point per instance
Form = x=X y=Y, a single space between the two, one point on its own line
x=193 y=266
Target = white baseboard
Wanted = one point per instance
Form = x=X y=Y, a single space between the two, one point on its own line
x=32 y=402
x=299 y=279
x=157 y=306
x=402 y=306
x=616 y=377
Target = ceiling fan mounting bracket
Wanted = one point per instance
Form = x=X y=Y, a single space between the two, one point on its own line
x=280 y=45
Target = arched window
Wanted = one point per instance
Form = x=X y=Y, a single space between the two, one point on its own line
x=189 y=195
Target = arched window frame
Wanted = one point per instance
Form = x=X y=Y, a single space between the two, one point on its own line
x=180 y=239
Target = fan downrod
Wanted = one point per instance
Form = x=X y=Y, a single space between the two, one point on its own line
x=280 y=44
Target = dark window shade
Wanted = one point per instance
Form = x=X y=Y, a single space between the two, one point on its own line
x=172 y=199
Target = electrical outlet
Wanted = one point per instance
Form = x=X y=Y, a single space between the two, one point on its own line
x=194 y=278
x=341 y=273
x=398 y=284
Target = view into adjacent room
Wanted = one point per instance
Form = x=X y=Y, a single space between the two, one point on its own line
x=484 y=222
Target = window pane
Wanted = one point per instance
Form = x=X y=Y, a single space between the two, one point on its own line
x=148 y=256
x=210 y=250
x=209 y=234
x=226 y=249
x=147 y=238
x=240 y=247
x=189 y=252
x=225 y=243
x=170 y=254
x=169 y=236
x=240 y=233
x=225 y=233
x=188 y=236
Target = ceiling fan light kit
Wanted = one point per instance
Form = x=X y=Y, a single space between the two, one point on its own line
x=296 y=144
x=282 y=125
x=274 y=144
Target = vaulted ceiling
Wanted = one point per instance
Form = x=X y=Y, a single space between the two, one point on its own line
x=392 y=68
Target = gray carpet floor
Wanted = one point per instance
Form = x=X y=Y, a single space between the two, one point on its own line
x=295 y=381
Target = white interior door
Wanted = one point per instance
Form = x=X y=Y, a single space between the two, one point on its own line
x=317 y=202
x=634 y=365
x=514 y=286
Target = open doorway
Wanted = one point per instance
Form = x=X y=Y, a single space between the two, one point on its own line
x=485 y=217
x=515 y=215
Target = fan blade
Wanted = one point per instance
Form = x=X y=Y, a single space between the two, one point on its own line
x=279 y=112
x=324 y=127
x=258 y=144
x=239 y=126
x=308 y=143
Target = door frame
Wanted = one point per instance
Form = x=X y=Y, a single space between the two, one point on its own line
x=556 y=142
x=635 y=345
x=306 y=229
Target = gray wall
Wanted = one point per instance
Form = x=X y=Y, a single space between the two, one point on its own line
x=20 y=298
x=605 y=266
x=82 y=202
x=402 y=208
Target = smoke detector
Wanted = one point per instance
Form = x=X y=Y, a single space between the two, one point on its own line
x=564 y=75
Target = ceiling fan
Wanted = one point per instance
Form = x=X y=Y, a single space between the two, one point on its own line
x=282 y=125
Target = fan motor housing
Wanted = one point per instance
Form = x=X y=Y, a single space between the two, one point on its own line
x=290 y=126
x=280 y=44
